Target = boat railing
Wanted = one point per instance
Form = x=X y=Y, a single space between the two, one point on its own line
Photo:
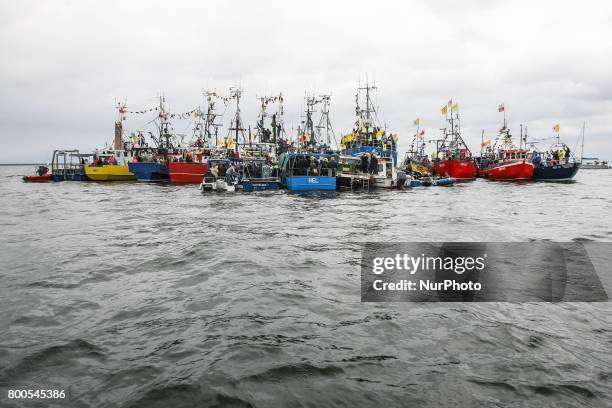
x=324 y=172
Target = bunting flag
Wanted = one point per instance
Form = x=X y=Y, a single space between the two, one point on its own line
x=501 y=108
x=422 y=132
x=444 y=109
x=455 y=106
x=557 y=128
x=417 y=121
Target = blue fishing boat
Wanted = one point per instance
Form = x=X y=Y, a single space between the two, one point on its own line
x=306 y=172
x=257 y=175
x=149 y=171
x=556 y=172
x=558 y=163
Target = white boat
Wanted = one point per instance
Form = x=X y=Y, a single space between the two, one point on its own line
x=594 y=163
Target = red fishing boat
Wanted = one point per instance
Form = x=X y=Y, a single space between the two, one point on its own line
x=453 y=157
x=189 y=167
x=187 y=173
x=507 y=162
x=511 y=165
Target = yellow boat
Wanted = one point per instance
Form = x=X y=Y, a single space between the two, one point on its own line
x=421 y=168
x=109 y=172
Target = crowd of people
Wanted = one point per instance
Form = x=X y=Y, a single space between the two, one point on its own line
x=553 y=157
x=311 y=165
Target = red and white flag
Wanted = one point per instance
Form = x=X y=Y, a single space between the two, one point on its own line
x=501 y=108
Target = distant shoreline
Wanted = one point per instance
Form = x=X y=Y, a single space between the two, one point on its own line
x=22 y=164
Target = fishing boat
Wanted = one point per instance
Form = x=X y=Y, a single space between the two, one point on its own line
x=306 y=172
x=109 y=165
x=556 y=164
x=506 y=162
x=453 y=157
x=415 y=160
x=150 y=163
x=258 y=175
x=42 y=175
x=368 y=135
x=373 y=145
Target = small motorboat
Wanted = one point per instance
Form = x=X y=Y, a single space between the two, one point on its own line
x=213 y=184
x=430 y=181
x=42 y=175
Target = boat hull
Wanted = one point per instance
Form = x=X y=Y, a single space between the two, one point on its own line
x=253 y=185
x=447 y=181
x=561 y=172
x=38 y=179
x=80 y=176
x=150 y=171
x=510 y=171
x=187 y=173
x=457 y=169
x=109 y=172
x=310 y=183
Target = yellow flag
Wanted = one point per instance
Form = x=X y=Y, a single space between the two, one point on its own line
x=557 y=128
x=230 y=143
x=455 y=106
x=486 y=143
x=378 y=134
x=444 y=110
x=417 y=121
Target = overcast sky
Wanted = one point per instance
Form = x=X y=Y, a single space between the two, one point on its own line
x=65 y=63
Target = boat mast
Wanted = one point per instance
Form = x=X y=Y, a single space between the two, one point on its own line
x=582 y=146
x=324 y=121
x=309 y=129
x=164 y=135
x=236 y=94
x=122 y=109
x=277 y=120
x=211 y=117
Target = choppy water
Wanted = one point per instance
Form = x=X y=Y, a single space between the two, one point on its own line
x=145 y=295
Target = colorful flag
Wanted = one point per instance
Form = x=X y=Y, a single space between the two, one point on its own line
x=422 y=132
x=455 y=106
x=486 y=143
x=417 y=121
x=501 y=108
x=444 y=110
x=557 y=128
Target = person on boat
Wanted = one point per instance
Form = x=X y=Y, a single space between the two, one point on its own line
x=189 y=158
x=97 y=161
x=537 y=160
x=374 y=164
x=215 y=170
x=314 y=168
x=567 y=151
x=135 y=159
x=333 y=163
x=365 y=163
x=230 y=174
x=561 y=154
x=112 y=160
